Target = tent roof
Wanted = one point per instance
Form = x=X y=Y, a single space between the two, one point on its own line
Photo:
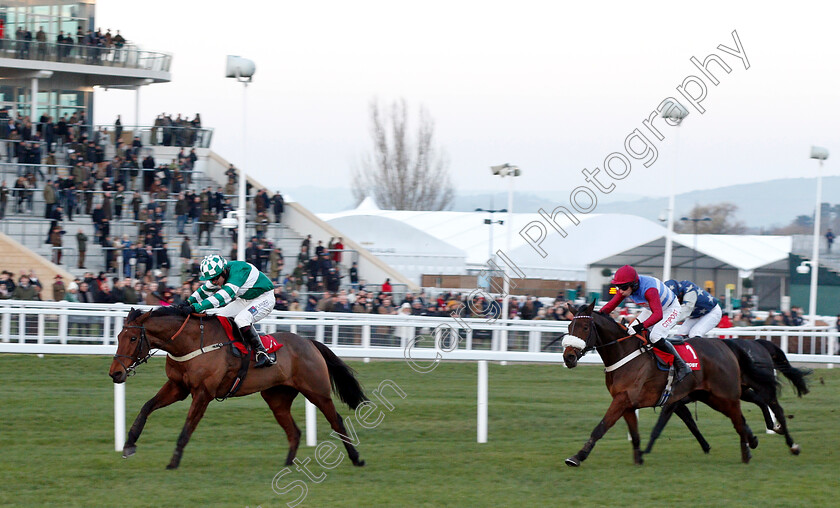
x=742 y=252
x=597 y=235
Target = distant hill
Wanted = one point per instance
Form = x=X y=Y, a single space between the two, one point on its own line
x=760 y=205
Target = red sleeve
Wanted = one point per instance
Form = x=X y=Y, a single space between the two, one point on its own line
x=612 y=304
x=652 y=296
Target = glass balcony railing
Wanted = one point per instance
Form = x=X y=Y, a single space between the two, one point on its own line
x=157 y=135
x=127 y=56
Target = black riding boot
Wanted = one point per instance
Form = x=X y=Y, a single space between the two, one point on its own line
x=680 y=366
x=253 y=339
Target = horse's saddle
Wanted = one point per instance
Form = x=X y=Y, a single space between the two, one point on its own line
x=240 y=348
x=686 y=352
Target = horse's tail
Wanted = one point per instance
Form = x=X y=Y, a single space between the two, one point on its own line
x=757 y=371
x=343 y=378
x=797 y=377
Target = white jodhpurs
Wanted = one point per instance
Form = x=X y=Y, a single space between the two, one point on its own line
x=669 y=319
x=247 y=312
x=698 y=327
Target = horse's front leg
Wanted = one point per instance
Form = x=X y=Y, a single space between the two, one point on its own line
x=199 y=404
x=685 y=415
x=633 y=427
x=664 y=416
x=168 y=393
x=617 y=408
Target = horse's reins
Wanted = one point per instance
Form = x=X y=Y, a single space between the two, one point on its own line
x=136 y=361
x=182 y=327
x=592 y=329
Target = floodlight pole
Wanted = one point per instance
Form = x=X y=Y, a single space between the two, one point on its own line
x=241 y=209
x=674 y=115
x=815 y=254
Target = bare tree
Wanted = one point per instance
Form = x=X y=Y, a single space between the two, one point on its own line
x=722 y=221
x=402 y=173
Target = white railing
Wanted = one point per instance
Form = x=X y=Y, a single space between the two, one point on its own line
x=49 y=327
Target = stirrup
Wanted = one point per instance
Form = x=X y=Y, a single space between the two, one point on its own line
x=263 y=359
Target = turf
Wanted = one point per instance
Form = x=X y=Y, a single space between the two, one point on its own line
x=56 y=445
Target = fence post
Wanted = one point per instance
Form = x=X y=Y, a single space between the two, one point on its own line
x=366 y=340
x=119 y=416
x=62 y=328
x=106 y=331
x=21 y=327
x=311 y=428
x=7 y=326
x=482 y=401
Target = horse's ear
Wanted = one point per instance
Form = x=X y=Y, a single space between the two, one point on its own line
x=591 y=306
x=571 y=308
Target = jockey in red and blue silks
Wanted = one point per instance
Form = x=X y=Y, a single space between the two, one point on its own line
x=660 y=314
x=701 y=310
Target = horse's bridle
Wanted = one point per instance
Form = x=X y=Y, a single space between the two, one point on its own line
x=135 y=356
x=592 y=329
x=136 y=361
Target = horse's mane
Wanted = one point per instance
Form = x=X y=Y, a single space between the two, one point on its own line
x=161 y=311
x=583 y=310
x=170 y=310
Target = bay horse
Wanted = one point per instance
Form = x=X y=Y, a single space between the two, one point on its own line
x=201 y=363
x=634 y=380
x=758 y=360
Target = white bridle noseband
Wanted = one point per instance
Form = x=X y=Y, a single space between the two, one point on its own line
x=572 y=341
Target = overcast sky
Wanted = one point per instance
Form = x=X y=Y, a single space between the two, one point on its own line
x=552 y=87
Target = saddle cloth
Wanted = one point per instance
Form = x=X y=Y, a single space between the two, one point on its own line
x=685 y=351
x=270 y=343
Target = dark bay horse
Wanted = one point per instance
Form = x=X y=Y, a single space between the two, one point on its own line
x=758 y=360
x=634 y=381
x=303 y=366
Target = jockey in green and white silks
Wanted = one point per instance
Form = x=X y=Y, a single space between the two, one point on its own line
x=235 y=289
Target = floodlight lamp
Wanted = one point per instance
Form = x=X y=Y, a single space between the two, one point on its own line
x=674 y=111
x=230 y=222
x=819 y=153
x=803 y=268
x=240 y=68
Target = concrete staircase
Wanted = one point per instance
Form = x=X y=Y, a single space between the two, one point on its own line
x=18 y=259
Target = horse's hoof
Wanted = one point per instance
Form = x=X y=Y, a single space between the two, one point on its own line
x=707 y=450
x=795 y=449
x=361 y=463
x=128 y=451
x=573 y=462
x=171 y=466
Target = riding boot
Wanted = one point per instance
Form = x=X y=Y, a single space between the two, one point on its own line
x=253 y=339
x=681 y=369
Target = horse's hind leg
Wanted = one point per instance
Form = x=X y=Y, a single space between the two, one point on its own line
x=199 y=404
x=325 y=404
x=279 y=399
x=749 y=395
x=618 y=406
x=732 y=409
x=168 y=393
x=633 y=427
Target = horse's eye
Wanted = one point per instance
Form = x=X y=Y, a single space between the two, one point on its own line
x=133 y=339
